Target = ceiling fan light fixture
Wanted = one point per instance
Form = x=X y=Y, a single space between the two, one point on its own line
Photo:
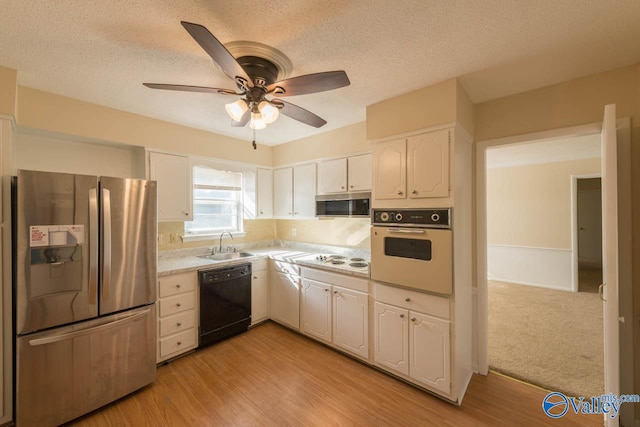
x=269 y=112
x=236 y=110
x=257 y=121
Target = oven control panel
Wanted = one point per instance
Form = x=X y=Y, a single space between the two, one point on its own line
x=431 y=218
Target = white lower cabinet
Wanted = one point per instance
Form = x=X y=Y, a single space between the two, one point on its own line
x=284 y=294
x=413 y=344
x=334 y=314
x=177 y=315
x=259 y=292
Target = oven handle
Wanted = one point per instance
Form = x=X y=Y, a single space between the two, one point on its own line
x=405 y=230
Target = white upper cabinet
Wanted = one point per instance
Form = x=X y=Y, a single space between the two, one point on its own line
x=173 y=175
x=348 y=174
x=304 y=191
x=359 y=172
x=412 y=168
x=283 y=193
x=389 y=169
x=332 y=176
x=428 y=165
x=264 y=202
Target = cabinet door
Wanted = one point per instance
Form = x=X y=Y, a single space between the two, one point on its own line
x=391 y=337
x=173 y=174
x=315 y=309
x=284 y=302
x=351 y=321
x=359 y=172
x=428 y=165
x=264 y=204
x=389 y=169
x=283 y=193
x=259 y=296
x=304 y=191
x=429 y=346
x=332 y=176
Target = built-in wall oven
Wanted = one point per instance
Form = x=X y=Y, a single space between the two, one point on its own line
x=413 y=248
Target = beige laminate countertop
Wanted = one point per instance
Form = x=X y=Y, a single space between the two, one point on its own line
x=176 y=265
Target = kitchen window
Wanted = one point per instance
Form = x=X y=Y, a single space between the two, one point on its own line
x=217 y=203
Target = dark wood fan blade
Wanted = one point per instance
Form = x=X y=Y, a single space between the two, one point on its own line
x=300 y=114
x=311 y=83
x=217 y=52
x=243 y=121
x=186 y=88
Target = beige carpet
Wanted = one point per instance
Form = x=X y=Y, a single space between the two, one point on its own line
x=553 y=339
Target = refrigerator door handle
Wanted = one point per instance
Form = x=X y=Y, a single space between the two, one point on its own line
x=87 y=331
x=93 y=246
x=106 y=243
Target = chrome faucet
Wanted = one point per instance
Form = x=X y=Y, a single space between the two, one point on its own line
x=222 y=234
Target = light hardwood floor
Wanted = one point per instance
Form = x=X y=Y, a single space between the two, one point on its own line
x=271 y=376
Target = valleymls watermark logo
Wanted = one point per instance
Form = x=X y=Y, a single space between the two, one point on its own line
x=556 y=404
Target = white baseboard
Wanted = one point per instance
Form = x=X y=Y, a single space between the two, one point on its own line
x=542 y=267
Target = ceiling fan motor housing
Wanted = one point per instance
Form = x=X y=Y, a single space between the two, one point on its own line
x=262 y=72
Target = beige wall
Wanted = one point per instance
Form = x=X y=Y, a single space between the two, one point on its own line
x=530 y=205
x=8 y=81
x=339 y=142
x=46 y=153
x=257 y=230
x=352 y=232
x=416 y=110
x=58 y=114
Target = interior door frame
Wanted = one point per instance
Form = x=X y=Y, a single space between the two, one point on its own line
x=481 y=331
x=574 y=226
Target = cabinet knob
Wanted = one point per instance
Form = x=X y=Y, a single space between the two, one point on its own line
x=178 y=286
x=261 y=213
x=399 y=193
x=342 y=187
x=351 y=186
x=413 y=319
x=326 y=290
x=414 y=192
x=186 y=214
x=289 y=213
x=402 y=316
x=296 y=213
x=407 y=299
x=178 y=324
x=255 y=277
x=335 y=292
x=179 y=305
x=179 y=343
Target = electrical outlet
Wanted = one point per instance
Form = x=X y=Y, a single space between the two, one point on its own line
x=293 y=231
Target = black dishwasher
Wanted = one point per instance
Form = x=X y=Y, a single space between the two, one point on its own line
x=225 y=303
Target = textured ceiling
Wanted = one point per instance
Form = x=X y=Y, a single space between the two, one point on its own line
x=102 y=50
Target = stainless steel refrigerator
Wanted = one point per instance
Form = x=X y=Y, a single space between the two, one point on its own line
x=85 y=291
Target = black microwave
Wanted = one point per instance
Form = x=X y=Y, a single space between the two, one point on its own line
x=352 y=205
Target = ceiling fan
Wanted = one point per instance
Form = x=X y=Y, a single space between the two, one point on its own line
x=256 y=78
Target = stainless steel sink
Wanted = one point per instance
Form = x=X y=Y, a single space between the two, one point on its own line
x=226 y=256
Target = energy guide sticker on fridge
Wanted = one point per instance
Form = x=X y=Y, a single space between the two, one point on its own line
x=55 y=235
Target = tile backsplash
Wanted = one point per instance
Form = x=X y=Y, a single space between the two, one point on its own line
x=345 y=232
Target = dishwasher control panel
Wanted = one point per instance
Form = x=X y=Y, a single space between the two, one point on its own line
x=225 y=273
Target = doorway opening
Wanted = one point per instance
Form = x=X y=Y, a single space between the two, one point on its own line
x=544 y=317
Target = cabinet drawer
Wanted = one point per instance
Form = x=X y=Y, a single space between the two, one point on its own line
x=178 y=303
x=343 y=280
x=259 y=265
x=178 y=343
x=177 y=322
x=425 y=303
x=285 y=267
x=171 y=285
